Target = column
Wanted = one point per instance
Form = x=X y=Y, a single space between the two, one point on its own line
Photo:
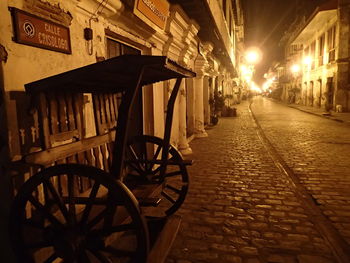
x=206 y=100
x=183 y=146
x=199 y=110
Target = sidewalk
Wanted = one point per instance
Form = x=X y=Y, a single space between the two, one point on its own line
x=336 y=116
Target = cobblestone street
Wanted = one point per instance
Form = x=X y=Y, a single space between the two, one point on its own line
x=242 y=208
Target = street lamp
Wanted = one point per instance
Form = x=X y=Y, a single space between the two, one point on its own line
x=295 y=68
x=253 y=56
x=307 y=60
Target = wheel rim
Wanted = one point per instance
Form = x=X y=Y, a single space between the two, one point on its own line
x=143 y=162
x=78 y=214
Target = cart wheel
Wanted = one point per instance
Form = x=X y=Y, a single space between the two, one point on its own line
x=143 y=161
x=77 y=213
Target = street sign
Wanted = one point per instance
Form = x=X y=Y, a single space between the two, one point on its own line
x=39 y=32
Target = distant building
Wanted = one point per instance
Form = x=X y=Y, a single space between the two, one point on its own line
x=319 y=45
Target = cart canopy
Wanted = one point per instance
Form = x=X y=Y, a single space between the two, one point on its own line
x=112 y=75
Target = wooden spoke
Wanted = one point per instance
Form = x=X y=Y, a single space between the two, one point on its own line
x=89 y=204
x=168 y=197
x=118 y=252
x=71 y=203
x=157 y=152
x=171 y=174
x=113 y=229
x=135 y=167
x=143 y=154
x=178 y=191
x=157 y=170
x=56 y=196
x=135 y=157
x=51 y=258
x=111 y=210
x=44 y=211
x=97 y=218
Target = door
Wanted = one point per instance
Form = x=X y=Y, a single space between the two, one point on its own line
x=311 y=94
x=114 y=49
x=330 y=94
x=320 y=93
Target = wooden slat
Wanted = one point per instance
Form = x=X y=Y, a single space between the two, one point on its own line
x=53 y=113
x=110 y=150
x=70 y=112
x=104 y=153
x=107 y=108
x=103 y=112
x=44 y=121
x=97 y=112
x=64 y=151
x=116 y=105
x=97 y=153
x=78 y=110
x=113 y=109
x=62 y=113
x=64 y=136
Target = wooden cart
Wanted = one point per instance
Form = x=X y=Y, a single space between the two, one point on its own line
x=74 y=211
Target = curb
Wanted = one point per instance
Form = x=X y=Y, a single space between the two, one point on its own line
x=310 y=112
x=316 y=114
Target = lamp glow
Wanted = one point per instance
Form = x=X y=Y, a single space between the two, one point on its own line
x=307 y=60
x=295 y=68
x=253 y=56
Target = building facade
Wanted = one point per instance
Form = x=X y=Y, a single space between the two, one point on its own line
x=42 y=38
x=319 y=47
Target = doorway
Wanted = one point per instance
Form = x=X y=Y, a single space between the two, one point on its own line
x=330 y=93
x=320 y=93
x=311 y=94
x=114 y=49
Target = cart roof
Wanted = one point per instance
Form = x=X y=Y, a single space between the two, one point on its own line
x=112 y=75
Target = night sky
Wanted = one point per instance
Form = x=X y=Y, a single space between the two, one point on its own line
x=265 y=23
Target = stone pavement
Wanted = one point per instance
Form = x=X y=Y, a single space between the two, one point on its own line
x=318 y=153
x=241 y=208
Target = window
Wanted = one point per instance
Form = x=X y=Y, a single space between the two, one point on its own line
x=312 y=54
x=331 y=43
x=306 y=58
x=321 y=42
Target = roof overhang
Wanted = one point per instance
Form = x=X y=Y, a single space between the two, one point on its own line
x=317 y=20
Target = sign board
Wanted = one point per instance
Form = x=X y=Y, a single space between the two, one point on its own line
x=38 y=32
x=154 y=11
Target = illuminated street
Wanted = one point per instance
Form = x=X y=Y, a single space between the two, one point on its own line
x=175 y=131
x=243 y=208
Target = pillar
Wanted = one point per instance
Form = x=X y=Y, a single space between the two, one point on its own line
x=183 y=146
x=199 y=110
x=206 y=100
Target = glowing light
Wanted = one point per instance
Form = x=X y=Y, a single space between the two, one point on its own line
x=244 y=70
x=253 y=56
x=267 y=84
x=254 y=87
x=307 y=60
x=295 y=68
